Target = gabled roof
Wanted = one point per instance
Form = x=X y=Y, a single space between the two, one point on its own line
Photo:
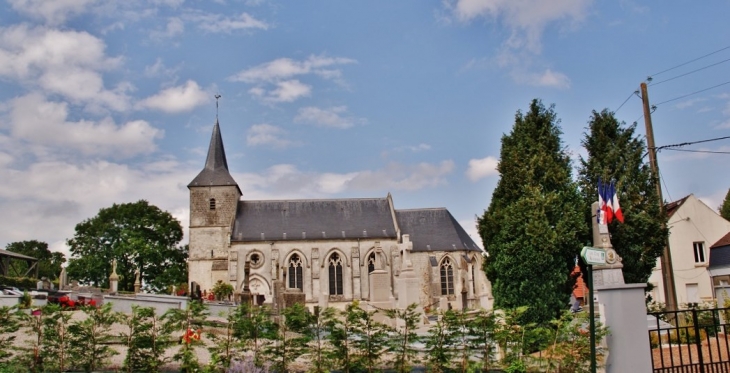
x=672 y=207
x=215 y=172
x=724 y=241
x=313 y=219
x=434 y=230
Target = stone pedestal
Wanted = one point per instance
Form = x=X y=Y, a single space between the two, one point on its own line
x=379 y=285
x=113 y=279
x=623 y=310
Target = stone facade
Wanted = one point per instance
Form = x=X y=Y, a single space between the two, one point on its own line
x=330 y=258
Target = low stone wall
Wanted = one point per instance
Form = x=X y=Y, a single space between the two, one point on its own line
x=124 y=304
x=9 y=300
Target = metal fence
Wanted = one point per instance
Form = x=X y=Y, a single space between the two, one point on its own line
x=690 y=341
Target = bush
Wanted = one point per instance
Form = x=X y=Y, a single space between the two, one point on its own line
x=19 y=282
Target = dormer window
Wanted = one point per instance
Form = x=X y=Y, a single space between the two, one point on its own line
x=212 y=203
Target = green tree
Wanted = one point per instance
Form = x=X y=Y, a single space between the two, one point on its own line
x=146 y=338
x=255 y=329
x=403 y=340
x=49 y=263
x=90 y=337
x=56 y=339
x=438 y=343
x=724 y=209
x=187 y=321
x=139 y=236
x=9 y=324
x=292 y=338
x=616 y=153
x=370 y=337
x=322 y=352
x=341 y=326
x=533 y=224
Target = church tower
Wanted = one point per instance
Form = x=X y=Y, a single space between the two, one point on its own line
x=214 y=197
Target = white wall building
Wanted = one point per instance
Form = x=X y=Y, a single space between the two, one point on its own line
x=693 y=228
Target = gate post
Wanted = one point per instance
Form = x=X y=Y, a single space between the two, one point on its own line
x=698 y=339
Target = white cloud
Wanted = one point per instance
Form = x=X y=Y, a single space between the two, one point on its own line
x=177 y=99
x=266 y=134
x=274 y=81
x=44 y=123
x=218 y=23
x=78 y=192
x=331 y=117
x=288 y=91
x=286 y=181
x=548 y=78
x=481 y=168
x=175 y=26
x=284 y=68
x=689 y=103
x=53 y=12
x=68 y=63
x=526 y=18
x=159 y=69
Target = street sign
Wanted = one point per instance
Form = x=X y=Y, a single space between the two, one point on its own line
x=593 y=255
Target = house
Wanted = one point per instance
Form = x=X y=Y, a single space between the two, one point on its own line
x=719 y=269
x=333 y=251
x=693 y=227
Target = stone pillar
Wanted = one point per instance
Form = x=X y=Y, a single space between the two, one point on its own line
x=622 y=309
x=113 y=278
x=137 y=282
x=63 y=279
x=356 y=287
x=246 y=291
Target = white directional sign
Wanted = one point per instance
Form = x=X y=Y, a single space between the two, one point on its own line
x=593 y=255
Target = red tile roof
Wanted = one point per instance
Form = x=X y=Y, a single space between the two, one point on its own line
x=672 y=207
x=724 y=241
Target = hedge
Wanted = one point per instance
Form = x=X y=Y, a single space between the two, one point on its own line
x=19 y=282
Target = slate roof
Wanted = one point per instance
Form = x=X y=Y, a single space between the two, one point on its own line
x=672 y=207
x=215 y=172
x=434 y=230
x=308 y=219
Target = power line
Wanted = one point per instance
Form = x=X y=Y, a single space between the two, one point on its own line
x=698 y=151
x=688 y=62
x=691 y=72
x=693 y=93
x=691 y=143
x=625 y=101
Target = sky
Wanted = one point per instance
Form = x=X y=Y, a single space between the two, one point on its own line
x=113 y=101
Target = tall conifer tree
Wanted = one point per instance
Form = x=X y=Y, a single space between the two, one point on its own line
x=724 y=209
x=532 y=227
x=616 y=153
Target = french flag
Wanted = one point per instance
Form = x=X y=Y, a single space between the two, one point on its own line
x=608 y=205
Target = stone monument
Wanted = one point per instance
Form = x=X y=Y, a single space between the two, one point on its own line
x=408 y=284
x=622 y=309
x=114 y=278
x=137 y=281
x=246 y=292
x=63 y=279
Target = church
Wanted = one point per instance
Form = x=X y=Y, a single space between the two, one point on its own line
x=333 y=251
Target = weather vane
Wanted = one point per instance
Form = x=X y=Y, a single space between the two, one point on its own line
x=217 y=96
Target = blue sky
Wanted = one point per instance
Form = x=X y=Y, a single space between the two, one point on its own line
x=107 y=102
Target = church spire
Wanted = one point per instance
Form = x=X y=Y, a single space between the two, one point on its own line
x=215 y=172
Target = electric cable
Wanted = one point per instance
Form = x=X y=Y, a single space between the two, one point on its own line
x=691 y=72
x=625 y=101
x=698 y=151
x=693 y=93
x=688 y=62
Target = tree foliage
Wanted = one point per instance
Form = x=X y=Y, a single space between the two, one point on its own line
x=137 y=235
x=532 y=227
x=616 y=153
x=724 y=209
x=49 y=263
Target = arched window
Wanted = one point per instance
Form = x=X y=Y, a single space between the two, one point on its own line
x=296 y=278
x=371 y=262
x=447 y=277
x=335 y=274
x=212 y=203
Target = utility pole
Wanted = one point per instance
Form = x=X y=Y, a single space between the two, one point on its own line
x=670 y=291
